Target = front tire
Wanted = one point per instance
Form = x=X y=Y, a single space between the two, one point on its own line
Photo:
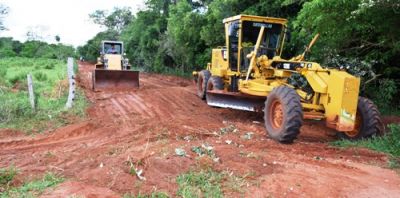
x=215 y=83
x=202 y=81
x=368 y=121
x=283 y=114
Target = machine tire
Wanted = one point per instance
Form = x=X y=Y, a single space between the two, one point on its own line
x=369 y=121
x=202 y=80
x=283 y=114
x=215 y=83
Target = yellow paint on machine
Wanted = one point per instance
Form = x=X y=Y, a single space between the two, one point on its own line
x=334 y=92
x=114 y=61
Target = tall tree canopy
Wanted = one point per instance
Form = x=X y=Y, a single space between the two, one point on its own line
x=178 y=35
x=116 y=21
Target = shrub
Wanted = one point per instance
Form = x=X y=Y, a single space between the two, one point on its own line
x=49 y=66
x=13 y=106
x=384 y=93
x=17 y=78
x=40 y=76
x=3 y=72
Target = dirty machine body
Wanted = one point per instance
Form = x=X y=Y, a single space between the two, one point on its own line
x=249 y=74
x=113 y=70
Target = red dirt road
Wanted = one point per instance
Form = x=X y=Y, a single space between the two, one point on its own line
x=145 y=126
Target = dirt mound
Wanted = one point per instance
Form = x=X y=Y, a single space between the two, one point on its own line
x=142 y=128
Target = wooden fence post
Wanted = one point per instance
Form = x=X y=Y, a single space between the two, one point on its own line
x=71 y=78
x=31 y=93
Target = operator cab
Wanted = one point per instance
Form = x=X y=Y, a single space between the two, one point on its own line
x=242 y=33
x=112 y=47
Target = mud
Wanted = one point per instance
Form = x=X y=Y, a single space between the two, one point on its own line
x=143 y=127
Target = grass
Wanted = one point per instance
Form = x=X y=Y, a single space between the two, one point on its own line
x=33 y=188
x=51 y=92
x=152 y=195
x=206 y=183
x=6 y=177
x=388 y=143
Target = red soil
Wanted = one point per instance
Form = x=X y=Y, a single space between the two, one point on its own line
x=145 y=126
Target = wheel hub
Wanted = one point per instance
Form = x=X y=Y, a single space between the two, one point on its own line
x=276 y=114
x=357 y=126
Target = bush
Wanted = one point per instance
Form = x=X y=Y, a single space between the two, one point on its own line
x=3 y=72
x=384 y=93
x=13 y=106
x=40 y=76
x=20 y=77
x=49 y=66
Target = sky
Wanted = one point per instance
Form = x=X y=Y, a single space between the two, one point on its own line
x=67 y=18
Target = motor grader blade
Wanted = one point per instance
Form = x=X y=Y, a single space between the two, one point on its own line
x=235 y=100
x=115 y=79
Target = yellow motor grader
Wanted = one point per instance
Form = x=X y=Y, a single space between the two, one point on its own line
x=113 y=70
x=249 y=74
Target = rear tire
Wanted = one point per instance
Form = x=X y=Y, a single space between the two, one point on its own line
x=202 y=81
x=215 y=83
x=368 y=121
x=283 y=114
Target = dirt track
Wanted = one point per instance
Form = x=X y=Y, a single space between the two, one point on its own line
x=146 y=125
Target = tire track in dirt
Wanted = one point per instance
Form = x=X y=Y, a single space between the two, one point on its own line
x=147 y=124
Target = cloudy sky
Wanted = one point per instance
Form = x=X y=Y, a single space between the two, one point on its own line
x=67 y=18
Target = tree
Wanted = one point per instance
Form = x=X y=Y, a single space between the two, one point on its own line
x=116 y=21
x=362 y=29
x=6 y=48
x=144 y=37
x=184 y=42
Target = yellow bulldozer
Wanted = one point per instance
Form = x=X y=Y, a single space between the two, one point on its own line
x=113 y=70
x=249 y=74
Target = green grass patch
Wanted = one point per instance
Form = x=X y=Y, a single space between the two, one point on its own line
x=6 y=177
x=51 y=92
x=33 y=188
x=388 y=143
x=200 y=184
x=152 y=195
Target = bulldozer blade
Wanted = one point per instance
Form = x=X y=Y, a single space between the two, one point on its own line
x=115 y=79
x=235 y=100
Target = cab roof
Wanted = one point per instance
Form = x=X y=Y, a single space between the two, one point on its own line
x=116 y=42
x=256 y=18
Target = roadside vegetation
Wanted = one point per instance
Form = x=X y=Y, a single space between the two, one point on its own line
x=34 y=188
x=152 y=195
x=388 y=143
x=34 y=48
x=177 y=37
x=200 y=184
x=51 y=92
